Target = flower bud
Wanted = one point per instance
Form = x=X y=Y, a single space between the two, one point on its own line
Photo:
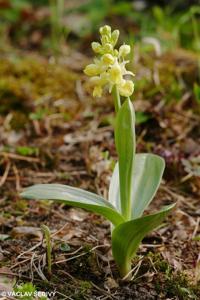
x=105 y=39
x=105 y=30
x=115 y=52
x=91 y=70
x=114 y=37
x=108 y=59
x=124 y=50
x=108 y=48
x=96 y=47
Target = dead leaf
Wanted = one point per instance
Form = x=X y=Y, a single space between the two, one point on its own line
x=7 y=280
x=110 y=283
x=29 y=232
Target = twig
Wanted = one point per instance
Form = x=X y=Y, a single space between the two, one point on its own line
x=59 y=230
x=16 y=172
x=196 y=228
x=103 y=291
x=70 y=258
x=82 y=254
x=39 y=271
x=29 y=250
x=65 y=296
x=19 y=275
x=19 y=157
x=5 y=175
x=136 y=269
x=19 y=263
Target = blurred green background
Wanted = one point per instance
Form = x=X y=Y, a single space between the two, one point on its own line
x=165 y=36
x=44 y=24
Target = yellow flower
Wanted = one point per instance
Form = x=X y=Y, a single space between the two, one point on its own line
x=114 y=37
x=109 y=67
x=108 y=59
x=126 y=88
x=96 y=47
x=97 y=92
x=92 y=70
x=99 y=80
x=115 y=74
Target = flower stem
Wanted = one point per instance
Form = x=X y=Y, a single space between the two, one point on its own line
x=46 y=232
x=116 y=97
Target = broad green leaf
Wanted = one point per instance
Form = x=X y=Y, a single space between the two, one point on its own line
x=74 y=197
x=127 y=237
x=125 y=144
x=114 y=193
x=147 y=174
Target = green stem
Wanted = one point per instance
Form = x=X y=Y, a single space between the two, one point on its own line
x=116 y=97
x=125 y=271
x=46 y=232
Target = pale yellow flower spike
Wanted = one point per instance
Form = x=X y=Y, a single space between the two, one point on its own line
x=108 y=69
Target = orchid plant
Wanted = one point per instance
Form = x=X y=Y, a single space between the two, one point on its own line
x=136 y=177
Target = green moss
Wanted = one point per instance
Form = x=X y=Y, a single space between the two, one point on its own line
x=27 y=151
x=160 y=264
x=84 y=289
x=172 y=283
x=31 y=83
x=85 y=267
x=19 y=120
